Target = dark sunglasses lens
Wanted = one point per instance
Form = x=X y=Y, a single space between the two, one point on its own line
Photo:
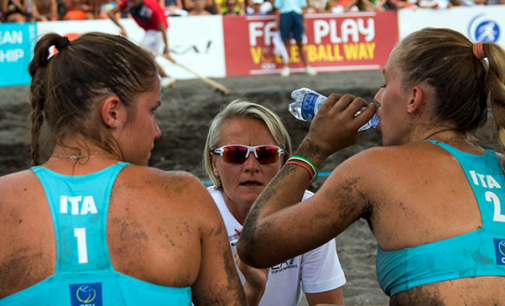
x=267 y=155
x=234 y=154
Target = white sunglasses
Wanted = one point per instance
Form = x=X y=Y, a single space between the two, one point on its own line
x=238 y=154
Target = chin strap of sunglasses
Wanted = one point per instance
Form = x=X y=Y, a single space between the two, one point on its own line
x=307 y=164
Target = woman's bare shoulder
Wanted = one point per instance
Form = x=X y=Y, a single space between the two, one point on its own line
x=156 y=178
x=177 y=187
x=16 y=182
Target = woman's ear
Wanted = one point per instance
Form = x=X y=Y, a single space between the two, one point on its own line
x=416 y=99
x=113 y=113
x=214 y=165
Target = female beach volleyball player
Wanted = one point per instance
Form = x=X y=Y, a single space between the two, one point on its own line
x=246 y=147
x=434 y=201
x=93 y=224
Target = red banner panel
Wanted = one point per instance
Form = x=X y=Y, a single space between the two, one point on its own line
x=333 y=42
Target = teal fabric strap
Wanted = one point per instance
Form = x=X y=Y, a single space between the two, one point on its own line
x=478 y=253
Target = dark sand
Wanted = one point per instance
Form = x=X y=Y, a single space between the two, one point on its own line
x=183 y=119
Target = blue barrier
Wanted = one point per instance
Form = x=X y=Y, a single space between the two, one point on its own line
x=322 y=174
x=17 y=41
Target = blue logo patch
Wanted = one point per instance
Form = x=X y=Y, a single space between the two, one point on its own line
x=483 y=29
x=499 y=247
x=86 y=294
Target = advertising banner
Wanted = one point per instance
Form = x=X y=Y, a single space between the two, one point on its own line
x=195 y=42
x=478 y=23
x=333 y=42
x=16 y=43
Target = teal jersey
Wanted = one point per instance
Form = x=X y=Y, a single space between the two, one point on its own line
x=478 y=253
x=84 y=275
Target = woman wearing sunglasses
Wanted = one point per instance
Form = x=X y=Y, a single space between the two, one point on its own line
x=246 y=147
x=432 y=197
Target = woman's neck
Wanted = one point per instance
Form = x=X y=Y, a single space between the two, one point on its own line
x=238 y=211
x=450 y=136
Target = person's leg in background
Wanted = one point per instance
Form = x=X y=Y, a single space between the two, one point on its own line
x=154 y=45
x=298 y=29
x=286 y=24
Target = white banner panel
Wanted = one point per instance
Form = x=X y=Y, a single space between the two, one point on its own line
x=478 y=23
x=195 y=42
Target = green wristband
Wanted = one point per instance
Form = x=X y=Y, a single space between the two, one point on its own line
x=309 y=162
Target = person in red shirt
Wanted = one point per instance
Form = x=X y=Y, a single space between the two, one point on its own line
x=150 y=16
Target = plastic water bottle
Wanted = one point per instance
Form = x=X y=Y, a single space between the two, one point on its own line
x=308 y=102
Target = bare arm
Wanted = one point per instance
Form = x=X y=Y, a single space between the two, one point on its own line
x=276 y=229
x=242 y=7
x=350 y=4
x=163 y=30
x=217 y=7
x=334 y=297
x=189 y=4
x=4 y=6
x=218 y=282
x=54 y=11
x=278 y=19
x=112 y=15
x=21 y=6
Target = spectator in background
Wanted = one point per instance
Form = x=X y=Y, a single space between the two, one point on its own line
x=341 y=6
x=232 y=8
x=434 y=4
x=78 y=10
x=473 y=2
x=401 y=4
x=291 y=21
x=317 y=6
x=173 y=7
x=259 y=7
x=15 y=10
x=373 y=5
x=199 y=9
x=44 y=10
x=210 y=7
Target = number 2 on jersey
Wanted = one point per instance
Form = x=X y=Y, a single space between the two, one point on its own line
x=491 y=197
x=82 y=249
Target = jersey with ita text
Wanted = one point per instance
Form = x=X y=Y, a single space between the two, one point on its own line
x=84 y=274
x=148 y=14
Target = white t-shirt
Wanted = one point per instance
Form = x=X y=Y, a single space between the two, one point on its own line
x=317 y=271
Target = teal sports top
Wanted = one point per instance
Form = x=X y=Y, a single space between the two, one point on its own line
x=84 y=274
x=478 y=253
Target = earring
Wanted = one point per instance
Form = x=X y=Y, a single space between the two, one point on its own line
x=113 y=124
x=216 y=174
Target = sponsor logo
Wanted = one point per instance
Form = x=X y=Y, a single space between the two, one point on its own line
x=86 y=294
x=499 y=246
x=483 y=29
x=284 y=266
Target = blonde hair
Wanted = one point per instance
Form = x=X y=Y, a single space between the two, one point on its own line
x=462 y=84
x=243 y=110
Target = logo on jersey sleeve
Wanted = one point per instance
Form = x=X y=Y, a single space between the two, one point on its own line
x=499 y=247
x=86 y=294
x=290 y=264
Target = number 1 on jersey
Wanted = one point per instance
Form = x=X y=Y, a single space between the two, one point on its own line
x=82 y=250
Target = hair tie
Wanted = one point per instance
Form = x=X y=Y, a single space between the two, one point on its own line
x=478 y=50
x=61 y=43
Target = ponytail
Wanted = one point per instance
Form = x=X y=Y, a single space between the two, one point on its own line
x=67 y=88
x=495 y=84
x=37 y=70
